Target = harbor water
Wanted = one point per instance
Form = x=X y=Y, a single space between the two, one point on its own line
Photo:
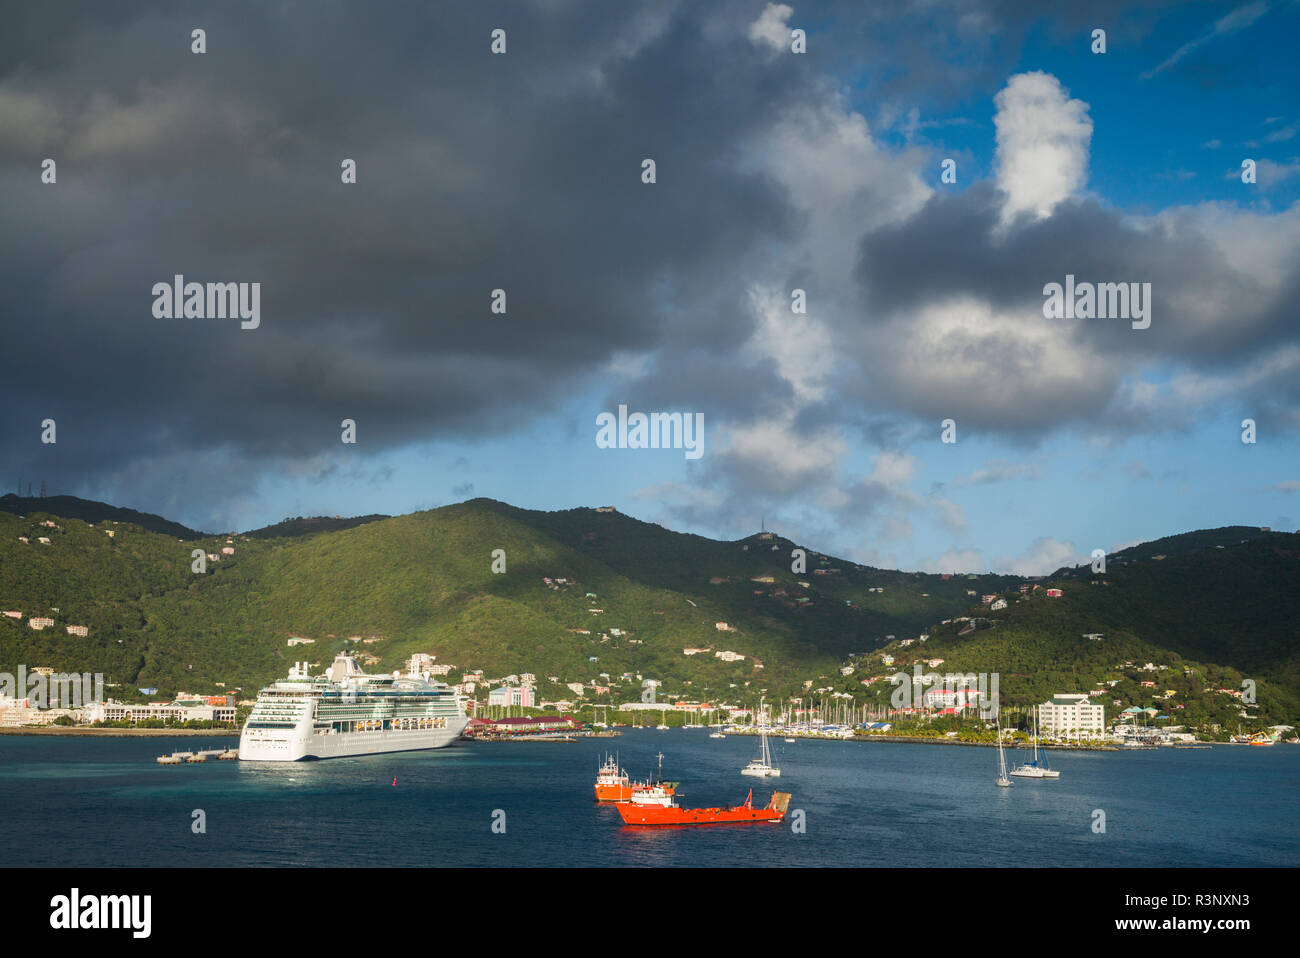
x=106 y=802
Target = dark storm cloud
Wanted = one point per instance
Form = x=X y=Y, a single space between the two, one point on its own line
x=475 y=172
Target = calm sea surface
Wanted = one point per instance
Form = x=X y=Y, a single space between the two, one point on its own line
x=105 y=802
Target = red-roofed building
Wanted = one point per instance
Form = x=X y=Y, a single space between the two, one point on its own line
x=520 y=726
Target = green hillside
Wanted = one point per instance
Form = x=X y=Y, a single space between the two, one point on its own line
x=70 y=507
x=424 y=582
x=1212 y=614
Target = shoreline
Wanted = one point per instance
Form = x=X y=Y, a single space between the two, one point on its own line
x=925 y=740
x=119 y=732
x=922 y=740
x=86 y=732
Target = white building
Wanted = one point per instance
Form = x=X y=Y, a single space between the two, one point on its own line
x=420 y=662
x=111 y=711
x=1071 y=716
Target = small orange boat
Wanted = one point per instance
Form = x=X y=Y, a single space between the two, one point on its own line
x=657 y=807
x=613 y=784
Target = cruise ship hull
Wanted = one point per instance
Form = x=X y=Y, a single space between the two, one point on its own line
x=293 y=745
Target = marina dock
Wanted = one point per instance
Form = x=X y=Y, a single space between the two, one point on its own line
x=178 y=758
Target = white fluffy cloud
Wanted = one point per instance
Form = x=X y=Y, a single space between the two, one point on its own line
x=998 y=369
x=1045 y=555
x=771 y=29
x=1043 y=137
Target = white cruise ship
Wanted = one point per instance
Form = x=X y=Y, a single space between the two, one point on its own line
x=347 y=712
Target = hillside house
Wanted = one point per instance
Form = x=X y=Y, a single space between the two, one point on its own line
x=79 y=630
x=1053 y=593
x=39 y=623
x=14 y=615
x=998 y=604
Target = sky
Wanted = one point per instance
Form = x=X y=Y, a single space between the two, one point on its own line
x=774 y=171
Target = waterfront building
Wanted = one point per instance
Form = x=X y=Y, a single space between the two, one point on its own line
x=1071 y=715
x=186 y=711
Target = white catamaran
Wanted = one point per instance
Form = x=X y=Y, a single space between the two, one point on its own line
x=1038 y=767
x=347 y=712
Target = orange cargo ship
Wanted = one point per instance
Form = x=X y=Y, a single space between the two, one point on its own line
x=613 y=785
x=657 y=807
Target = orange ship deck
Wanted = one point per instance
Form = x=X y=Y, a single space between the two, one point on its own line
x=634 y=814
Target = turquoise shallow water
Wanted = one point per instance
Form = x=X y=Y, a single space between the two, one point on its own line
x=106 y=802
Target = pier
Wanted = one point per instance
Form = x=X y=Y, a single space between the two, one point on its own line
x=179 y=758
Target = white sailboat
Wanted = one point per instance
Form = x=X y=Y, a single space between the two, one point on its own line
x=718 y=734
x=762 y=766
x=1037 y=768
x=1002 y=761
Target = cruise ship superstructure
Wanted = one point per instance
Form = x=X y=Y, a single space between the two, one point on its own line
x=347 y=712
